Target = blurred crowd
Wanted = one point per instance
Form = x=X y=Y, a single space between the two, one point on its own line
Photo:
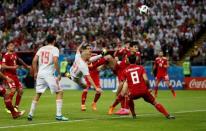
x=106 y=23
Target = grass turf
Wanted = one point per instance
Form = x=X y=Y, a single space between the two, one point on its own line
x=189 y=107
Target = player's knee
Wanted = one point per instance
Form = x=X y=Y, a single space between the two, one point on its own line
x=20 y=92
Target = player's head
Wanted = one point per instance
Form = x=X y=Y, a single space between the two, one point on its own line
x=10 y=46
x=51 y=39
x=133 y=47
x=127 y=44
x=161 y=54
x=86 y=54
x=87 y=47
x=132 y=59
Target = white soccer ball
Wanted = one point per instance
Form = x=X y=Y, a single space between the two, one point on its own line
x=144 y=9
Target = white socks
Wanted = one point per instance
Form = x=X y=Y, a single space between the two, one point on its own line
x=33 y=107
x=59 y=107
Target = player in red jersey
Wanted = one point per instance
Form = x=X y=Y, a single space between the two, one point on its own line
x=7 y=100
x=138 y=87
x=94 y=68
x=9 y=64
x=118 y=70
x=160 y=65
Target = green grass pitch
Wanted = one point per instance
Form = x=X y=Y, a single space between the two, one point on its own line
x=189 y=107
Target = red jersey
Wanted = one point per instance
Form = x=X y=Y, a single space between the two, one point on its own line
x=93 y=71
x=138 y=54
x=160 y=62
x=10 y=60
x=134 y=76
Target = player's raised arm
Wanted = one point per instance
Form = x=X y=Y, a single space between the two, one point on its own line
x=80 y=46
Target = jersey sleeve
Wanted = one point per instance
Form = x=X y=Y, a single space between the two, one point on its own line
x=4 y=59
x=55 y=52
x=84 y=69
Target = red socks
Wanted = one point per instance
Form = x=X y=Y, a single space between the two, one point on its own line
x=124 y=103
x=84 y=97
x=161 y=109
x=97 y=96
x=118 y=99
x=18 y=99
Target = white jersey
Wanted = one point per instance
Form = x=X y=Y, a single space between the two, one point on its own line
x=79 y=67
x=45 y=61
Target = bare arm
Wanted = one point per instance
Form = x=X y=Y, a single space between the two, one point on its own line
x=4 y=66
x=146 y=80
x=56 y=66
x=34 y=65
x=23 y=63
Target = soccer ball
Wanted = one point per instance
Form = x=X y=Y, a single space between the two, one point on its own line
x=144 y=9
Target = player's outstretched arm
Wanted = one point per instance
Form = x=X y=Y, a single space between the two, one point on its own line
x=23 y=63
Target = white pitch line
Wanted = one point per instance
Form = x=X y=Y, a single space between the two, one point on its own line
x=71 y=121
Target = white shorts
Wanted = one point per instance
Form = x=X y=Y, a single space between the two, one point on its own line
x=50 y=81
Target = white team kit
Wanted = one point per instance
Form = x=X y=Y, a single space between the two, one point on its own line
x=45 y=76
x=79 y=67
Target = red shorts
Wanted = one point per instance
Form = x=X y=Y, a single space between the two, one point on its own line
x=146 y=95
x=162 y=77
x=96 y=82
x=16 y=83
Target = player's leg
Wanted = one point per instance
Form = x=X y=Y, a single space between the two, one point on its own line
x=157 y=81
x=131 y=106
x=54 y=86
x=83 y=100
x=120 y=97
x=150 y=99
x=124 y=110
x=41 y=86
x=167 y=82
x=18 y=96
x=97 y=94
x=33 y=106
x=8 y=103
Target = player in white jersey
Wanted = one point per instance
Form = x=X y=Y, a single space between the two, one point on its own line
x=80 y=69
x=47 y=60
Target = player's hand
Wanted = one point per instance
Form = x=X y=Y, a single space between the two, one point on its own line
x=99 y=90
x=35 y=75
x=9 y=79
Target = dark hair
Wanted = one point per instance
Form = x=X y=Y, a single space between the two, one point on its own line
x=50 y=38
x=84 y=47
x=133 y=43
x=7 y=44
x=132 y=59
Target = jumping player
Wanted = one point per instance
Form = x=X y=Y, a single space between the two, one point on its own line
x=138 y=87
x=160 y=65
x=9 y=64
x=80 y=69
